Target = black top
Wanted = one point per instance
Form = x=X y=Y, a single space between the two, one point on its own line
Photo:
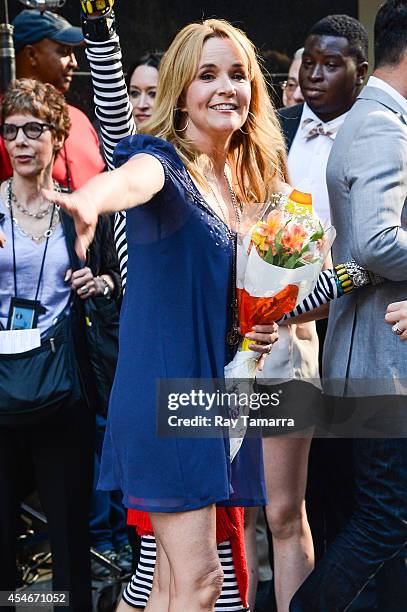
x=290 y=118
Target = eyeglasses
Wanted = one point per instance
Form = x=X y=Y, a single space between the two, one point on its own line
x=32 y=130
x=291 y=85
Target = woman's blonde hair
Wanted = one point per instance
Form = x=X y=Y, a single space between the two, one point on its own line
x=257 y=157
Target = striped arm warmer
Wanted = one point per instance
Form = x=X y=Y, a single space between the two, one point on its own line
x=325 y=291
x=113 y=109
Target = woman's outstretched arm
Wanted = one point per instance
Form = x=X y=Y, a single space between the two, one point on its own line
x=134 y=183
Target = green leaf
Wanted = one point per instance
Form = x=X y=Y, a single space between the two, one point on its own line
x=292 y=260
x=318 y=234
x=269 y=257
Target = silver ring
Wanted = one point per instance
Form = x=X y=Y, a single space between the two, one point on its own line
x=84 y=289
x=396 y=330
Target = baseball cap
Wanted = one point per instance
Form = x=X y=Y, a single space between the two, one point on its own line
x=31 y=26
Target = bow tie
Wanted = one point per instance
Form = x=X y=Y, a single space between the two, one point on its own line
x=313 y=128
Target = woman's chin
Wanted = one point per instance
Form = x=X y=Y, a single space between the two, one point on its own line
x=25 y=171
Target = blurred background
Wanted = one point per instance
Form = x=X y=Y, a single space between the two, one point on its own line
x=277 y=27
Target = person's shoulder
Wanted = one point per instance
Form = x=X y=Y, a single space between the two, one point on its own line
x=78 y=117
x=290 y=112
x=370 y=117
x=145 y=143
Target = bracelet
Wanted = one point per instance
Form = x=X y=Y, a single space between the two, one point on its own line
x=350 y=276
x=99 y=29
x=102 y=7
x=107 y=292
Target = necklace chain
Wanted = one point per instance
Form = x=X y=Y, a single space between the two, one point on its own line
x=232 y=336
x=233 y=198
x=49 y=231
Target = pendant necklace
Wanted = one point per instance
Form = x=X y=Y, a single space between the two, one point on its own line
x=232 y=336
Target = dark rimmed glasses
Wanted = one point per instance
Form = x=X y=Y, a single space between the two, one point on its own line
x=31 y=129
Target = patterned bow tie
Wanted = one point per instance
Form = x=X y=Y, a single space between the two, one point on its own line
x=312 y=129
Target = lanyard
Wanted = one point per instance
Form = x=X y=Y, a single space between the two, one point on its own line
x=14 y=249
x=67 y=170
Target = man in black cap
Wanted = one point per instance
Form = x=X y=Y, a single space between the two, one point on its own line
x=44 y=44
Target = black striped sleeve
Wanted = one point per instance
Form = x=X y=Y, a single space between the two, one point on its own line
x=324 y=291
x=113 y=109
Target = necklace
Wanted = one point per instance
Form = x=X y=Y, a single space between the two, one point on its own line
x=36 y=238
x=232 y=336
x=233 y=199
x=40 y=214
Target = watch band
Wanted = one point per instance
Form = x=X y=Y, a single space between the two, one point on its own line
x=98 y=20
x=349 y=276
x=101 y=7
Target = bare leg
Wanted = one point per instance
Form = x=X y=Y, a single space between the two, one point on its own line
x=189 y=541
x=250 y=520
x=160 y=593
x=286 y=462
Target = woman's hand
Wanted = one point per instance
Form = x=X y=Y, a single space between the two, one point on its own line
x=84 y=213
x=84 y=283
x=265 y=336
x=2 y=240
x=396 y=315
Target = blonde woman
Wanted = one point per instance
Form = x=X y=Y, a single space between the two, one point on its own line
x=212 y=143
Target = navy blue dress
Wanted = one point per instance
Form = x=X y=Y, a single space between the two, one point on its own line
x=174 y=321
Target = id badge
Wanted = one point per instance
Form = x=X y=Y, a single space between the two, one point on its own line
x=23 y=314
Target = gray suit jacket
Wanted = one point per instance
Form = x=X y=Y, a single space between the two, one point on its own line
x=367 y=184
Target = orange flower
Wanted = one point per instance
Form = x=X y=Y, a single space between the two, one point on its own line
x=293 y=238
x=274 y=221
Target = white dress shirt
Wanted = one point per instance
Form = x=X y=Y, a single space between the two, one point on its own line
x=380 y=84
x=307 y=161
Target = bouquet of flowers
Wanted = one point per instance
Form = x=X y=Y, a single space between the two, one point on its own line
x=278 y=260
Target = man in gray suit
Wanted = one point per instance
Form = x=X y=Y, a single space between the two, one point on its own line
x=364 y=362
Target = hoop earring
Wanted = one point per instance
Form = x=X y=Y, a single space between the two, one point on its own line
x=178 y=110
x=184 y=128
x=254 y=121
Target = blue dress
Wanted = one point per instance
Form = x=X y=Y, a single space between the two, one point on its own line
x=174 y=321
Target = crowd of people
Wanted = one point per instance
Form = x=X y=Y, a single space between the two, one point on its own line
x=191 y=140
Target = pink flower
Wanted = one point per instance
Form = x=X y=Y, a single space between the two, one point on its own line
x=275 y=220
x=293 y=238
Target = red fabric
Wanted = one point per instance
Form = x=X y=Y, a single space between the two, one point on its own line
x=229 y=526
x=83 y=153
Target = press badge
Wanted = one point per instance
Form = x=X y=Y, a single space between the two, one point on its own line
x=23 y=314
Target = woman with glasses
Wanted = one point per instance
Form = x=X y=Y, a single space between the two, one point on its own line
x=54 y=447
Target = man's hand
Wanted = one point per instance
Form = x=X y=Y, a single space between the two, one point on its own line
x=2 y=240
x=396 y=315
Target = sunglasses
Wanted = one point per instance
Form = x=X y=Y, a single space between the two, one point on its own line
x=32 y=130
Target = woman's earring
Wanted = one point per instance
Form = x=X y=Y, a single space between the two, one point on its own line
x=178 y=110
x=254 y=122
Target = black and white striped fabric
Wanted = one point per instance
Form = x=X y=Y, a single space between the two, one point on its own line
x=138 y=590
x=113 y=109
x=325 y=291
